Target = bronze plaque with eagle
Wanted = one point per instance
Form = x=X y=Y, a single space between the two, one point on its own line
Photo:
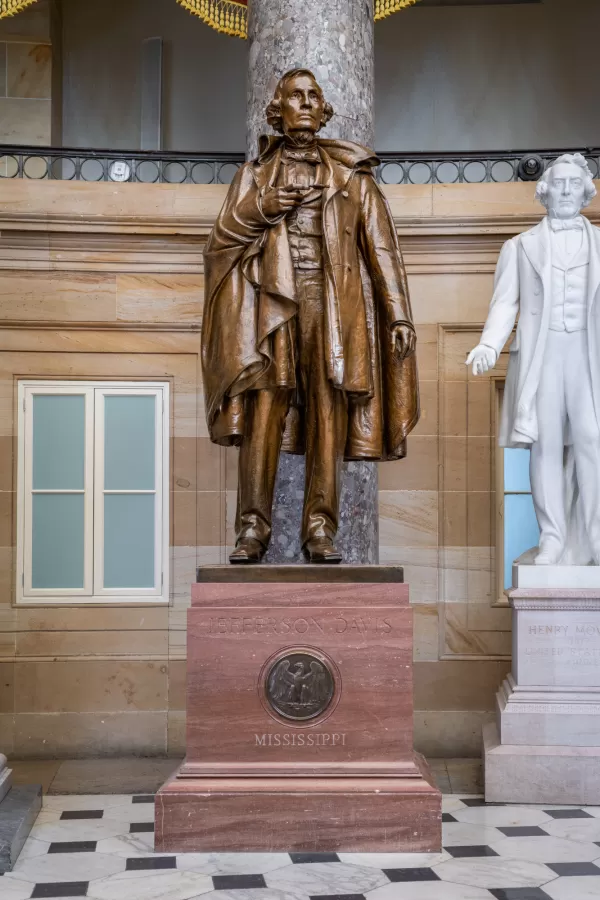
x=300 y=686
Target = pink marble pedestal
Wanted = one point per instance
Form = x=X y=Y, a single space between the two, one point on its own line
x=349 y=780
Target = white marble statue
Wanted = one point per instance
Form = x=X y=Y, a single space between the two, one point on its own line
x=550 y=277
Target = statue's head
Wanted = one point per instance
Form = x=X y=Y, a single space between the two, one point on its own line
x=298 y=108
x=566 y=187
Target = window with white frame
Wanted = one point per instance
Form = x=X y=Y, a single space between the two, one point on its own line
x=93 y=499
x=521 y=531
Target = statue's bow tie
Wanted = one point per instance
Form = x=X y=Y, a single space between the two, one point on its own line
x=310 y=155
x=567 y=224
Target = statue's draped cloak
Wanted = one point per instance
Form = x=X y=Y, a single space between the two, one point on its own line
x=248 y=333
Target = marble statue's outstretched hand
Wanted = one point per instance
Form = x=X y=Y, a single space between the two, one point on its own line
x=483 y=359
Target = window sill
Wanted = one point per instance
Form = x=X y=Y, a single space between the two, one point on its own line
x=119 y=602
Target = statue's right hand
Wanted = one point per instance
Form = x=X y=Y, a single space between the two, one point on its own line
x=483 y=358
x=280 y=201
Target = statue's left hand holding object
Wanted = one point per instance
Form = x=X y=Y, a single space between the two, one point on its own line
x=404 y=340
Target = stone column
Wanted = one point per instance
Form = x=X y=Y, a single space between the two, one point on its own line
x=335 y=41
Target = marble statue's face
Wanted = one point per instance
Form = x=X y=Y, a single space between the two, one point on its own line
x=302 y=105
x=566 y=191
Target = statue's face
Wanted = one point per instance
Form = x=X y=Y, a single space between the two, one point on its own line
x=302 y=105
x=566 y=191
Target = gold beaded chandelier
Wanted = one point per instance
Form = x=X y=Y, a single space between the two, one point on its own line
x=227 y=16
x=231 y=16
x=10 y=7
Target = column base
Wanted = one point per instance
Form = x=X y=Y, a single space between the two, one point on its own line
x=18 y=812
x=262 y=814
x=539 y=774
x=5 y=777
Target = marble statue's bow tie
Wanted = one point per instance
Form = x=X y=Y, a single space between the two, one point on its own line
x=310 y=155
x=567 y=224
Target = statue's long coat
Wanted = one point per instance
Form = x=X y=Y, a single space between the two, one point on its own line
x=249 y=318
x=524 y=288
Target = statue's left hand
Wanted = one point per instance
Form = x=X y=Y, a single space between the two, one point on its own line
x=404 y=340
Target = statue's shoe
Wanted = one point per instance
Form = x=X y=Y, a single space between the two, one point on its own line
x=248 y=551
x=321 y=550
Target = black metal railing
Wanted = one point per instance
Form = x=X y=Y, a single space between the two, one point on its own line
x=473 y=168
x=68 y=164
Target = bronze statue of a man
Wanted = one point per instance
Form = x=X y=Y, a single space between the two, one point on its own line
x=308 y=343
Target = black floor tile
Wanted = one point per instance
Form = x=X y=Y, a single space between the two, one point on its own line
x=151 y=862
x=72 y=847
x=82 y=814
x=337 y=897
x=314 y=857
x=570 y=869
x=527 y=893
x=568 y=814
x=397 y=875
x=446 y=817
x=238 y=882
x=61 y=889
x=470 y=852
x=138 y=827
x=143 y=798
x=478 y=801
x=523 y=831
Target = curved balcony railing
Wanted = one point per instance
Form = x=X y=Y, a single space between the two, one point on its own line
x=149 y=167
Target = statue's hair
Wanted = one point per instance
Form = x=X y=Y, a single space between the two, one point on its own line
x=274 y=108
x=575 y=159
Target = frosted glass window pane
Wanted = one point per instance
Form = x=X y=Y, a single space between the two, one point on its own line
x=521 y=531
x=58 y=441
x=57 y=541
x=129 y=540
x=516 y=471
x=129 y=445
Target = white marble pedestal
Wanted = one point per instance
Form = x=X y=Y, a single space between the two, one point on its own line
x=545 y=745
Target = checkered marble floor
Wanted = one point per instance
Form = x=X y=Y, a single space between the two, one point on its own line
x=102 y=847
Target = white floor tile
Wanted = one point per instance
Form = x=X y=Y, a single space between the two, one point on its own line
x=48 y=815
x=252 y=894
x=13 y=889
x=151 y=885
x=494 y=872
x=546 y=849
x=34 y=848
x=574 y=829
x=88 y=801
x=394 y=860
x=136 y=812
x=68 y=867
x=581 y=888
x=232 y=863
x=451 y=803
x=78 y=829
x=129 y=845
x=325 y=878
x=501 y=816
x=461 y=834
x=428 y=890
